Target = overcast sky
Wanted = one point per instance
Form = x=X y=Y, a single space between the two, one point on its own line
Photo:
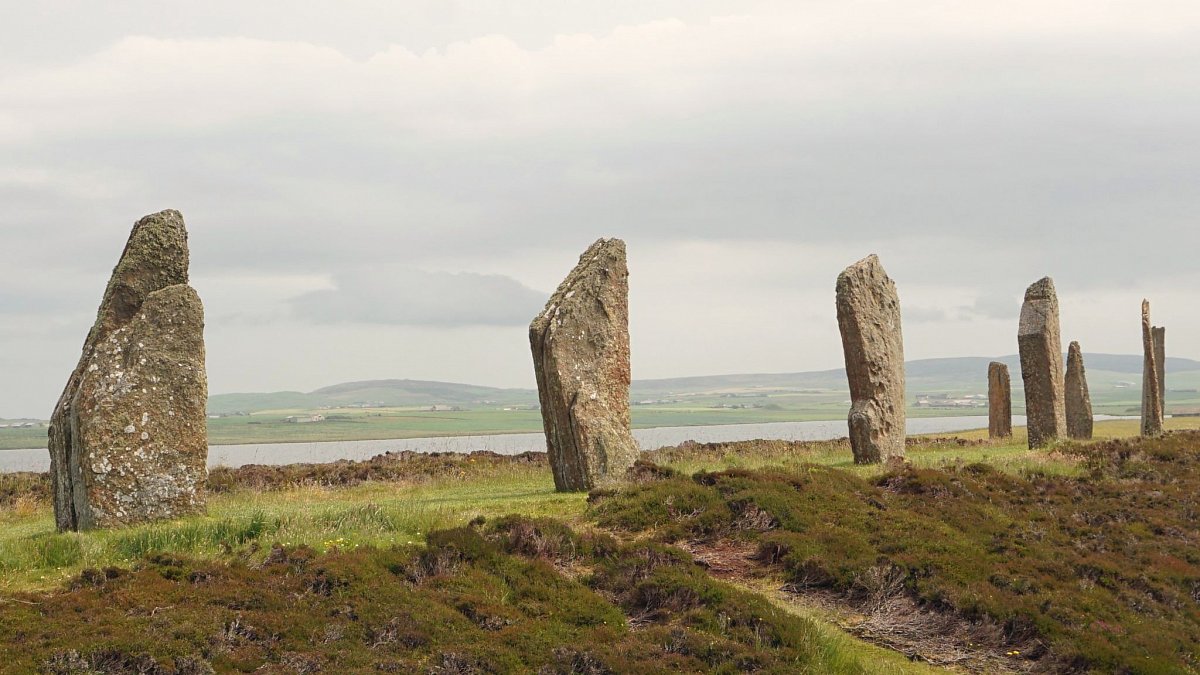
x=378 y=189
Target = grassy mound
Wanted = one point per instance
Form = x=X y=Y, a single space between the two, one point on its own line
x=1098 y=571
x=520 y=595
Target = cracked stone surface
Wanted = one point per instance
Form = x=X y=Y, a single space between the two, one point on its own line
x=1040 y=345
x=868 y=311
x=128 y=441
x=580 y=345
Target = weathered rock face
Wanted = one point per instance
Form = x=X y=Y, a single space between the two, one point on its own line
x=1079 y=401
x=1041 y=364
x=128 y=441
x=1152 y=411
x=868 y=310
x=999 y=401
x=1160 y=363
x=580 y=348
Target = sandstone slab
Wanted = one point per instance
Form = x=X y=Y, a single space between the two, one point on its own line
x=580 y=345
x=999 y=401
x=1078 y=399
x=868 y=311
x=128 y=440
x=1040 y=345
x=1152 y=402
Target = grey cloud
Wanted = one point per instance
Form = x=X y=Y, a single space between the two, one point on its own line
x=412 y=297
x=996 y=305
x=924 y=314
x=979 y=155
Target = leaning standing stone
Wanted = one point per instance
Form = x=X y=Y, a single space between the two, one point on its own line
x=868 y=311
x=1079 y=402
x=999 y=401
x=580 y=346
x=128 y=441
x=1152 y=412
x=1041 y=364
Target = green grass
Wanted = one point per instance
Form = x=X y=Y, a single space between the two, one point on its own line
x=387 y=523
x=33 y=555
x=516 y=595
x=1095 y=568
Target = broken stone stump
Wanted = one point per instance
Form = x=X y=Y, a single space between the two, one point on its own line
x=999 y=401
x=1152 y=411
x=127 y=439
x=1042 y=364
x=868 y=311
x=580 y=346
x=1078 y=400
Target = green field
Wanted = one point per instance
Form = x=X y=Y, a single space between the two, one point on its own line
x=387 y=409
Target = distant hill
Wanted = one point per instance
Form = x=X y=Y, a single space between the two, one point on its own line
x=963 y=374
x=391 y=393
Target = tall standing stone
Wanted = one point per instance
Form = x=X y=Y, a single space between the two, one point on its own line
x=1152 y=411
x=999 y=401
x=1160 y=364
x=127 y=439
x=1042 y=364
x=580 y=346
x=868 y=311
x=1079 y=401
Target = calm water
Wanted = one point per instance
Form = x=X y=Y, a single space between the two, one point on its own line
x=512 y=444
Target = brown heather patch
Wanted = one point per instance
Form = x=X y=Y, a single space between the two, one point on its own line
x=477 y=599
x=1099 y=572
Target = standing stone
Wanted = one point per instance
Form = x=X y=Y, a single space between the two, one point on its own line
x=1042 y=364
x=1152 y=412
x=580 y=348
x=1160 y=364
x=128 y=441
x=999 y=401
x=1079 y=401
x=868 y=311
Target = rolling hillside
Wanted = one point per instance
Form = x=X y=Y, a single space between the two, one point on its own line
x=1113 y=378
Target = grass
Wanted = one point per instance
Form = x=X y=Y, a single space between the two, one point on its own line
x=246 y=523
x=1091 y=569
x=365 y=517
x=514 y=595
x=315 y=506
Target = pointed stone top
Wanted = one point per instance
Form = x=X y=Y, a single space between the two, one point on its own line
x=155 y=257
x=868 y=263
x=603 y=258
x=1074 y=357
x=1041 y=289
x=1145 y=309
x=1039 y=312
x=868 y=269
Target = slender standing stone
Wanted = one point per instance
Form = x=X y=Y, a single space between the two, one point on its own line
x=999 y=401
x=1160 y=364
x=580 y=346
x=1152 y=412
x=127 y=440
x=1079 y=401
x=1042 y=364
x=868 y=311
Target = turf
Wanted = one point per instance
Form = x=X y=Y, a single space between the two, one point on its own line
x=1088 y=552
